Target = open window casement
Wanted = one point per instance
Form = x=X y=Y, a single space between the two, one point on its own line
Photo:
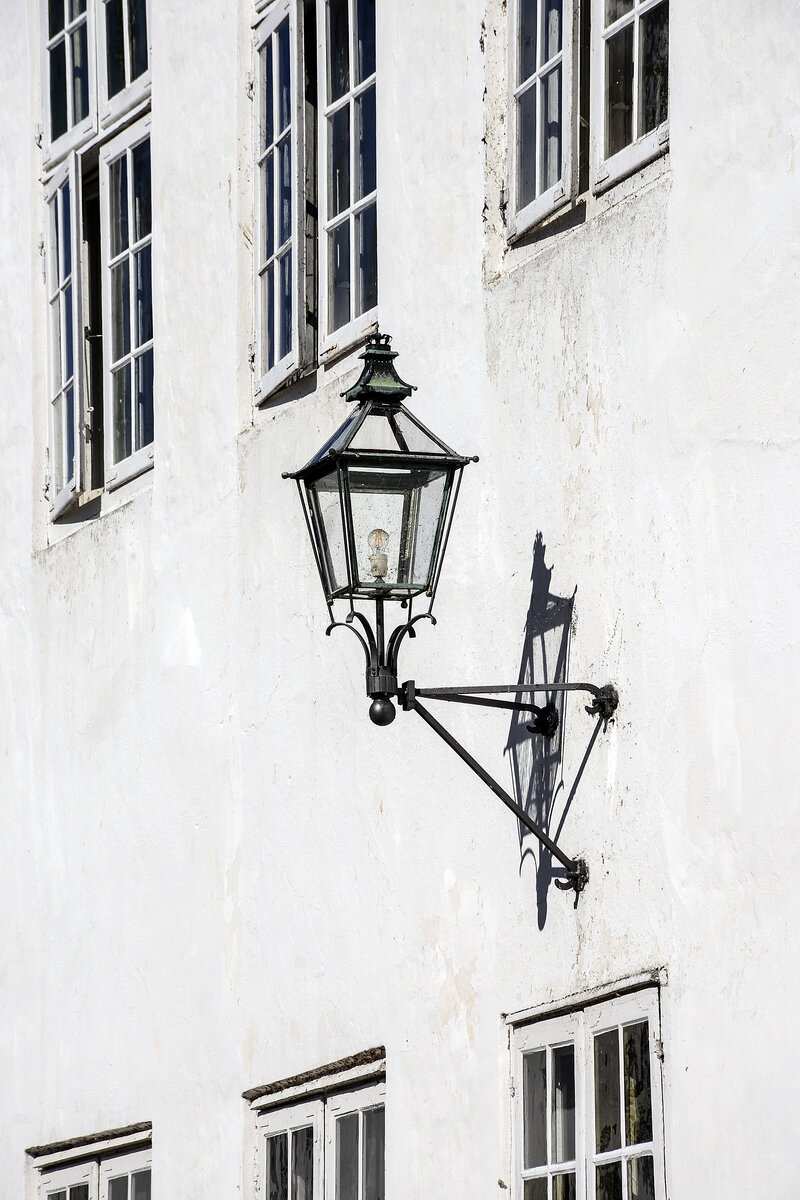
x=127 y=1176
x=126 y=237
x=290 y=1150
x=543 y=78
x=630 y=87
x=76 y=1182
x=280 y=197
x=64 y=326
x=355 y=1141
x=123 y=53
x=348 y=183
x=68 y=75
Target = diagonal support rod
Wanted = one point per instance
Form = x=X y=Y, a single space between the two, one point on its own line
x=577 y=870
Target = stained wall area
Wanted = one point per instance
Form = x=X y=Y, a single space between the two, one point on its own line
x=217 y=872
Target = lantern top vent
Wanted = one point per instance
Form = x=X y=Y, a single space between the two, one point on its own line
x=379 y=379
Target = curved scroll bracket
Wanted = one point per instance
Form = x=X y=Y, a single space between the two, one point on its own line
x=341 y=625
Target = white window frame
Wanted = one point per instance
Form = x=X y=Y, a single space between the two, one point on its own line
x=74 y=135
x=123 y=1164
x=138 y=90
x=289 y=1120
x=579 y=1026
x=270 y=378
x=565 y=189
x=333 y=342
x=141 y=459
x=72 y=1175
x=341 y=1105
x=66 y=174
x=608 y=170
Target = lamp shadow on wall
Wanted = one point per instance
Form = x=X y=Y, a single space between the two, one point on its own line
x=536 y=763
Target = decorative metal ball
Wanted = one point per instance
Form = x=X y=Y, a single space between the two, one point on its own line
x=381 y=711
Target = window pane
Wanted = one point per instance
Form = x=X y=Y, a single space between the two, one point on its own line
x=609 y=1181
x=269 y=206
x=142 y=208
x=121 y=409
x=58 y=90
x=551 y=133
x=57 y=1195
x=552 y=28
x=339 y=293
x=144 y=294
x=268 y=95
x=137 y=12
x=365 y=47
x=526 y=132
x=68 y=363
x=366 y=170
x=144 y=436
x=55 y=330
x=115 y=52
x=268 y=316
x=534 y=1104
x=277 y=1167
x=55 y=240
x=69 y=435
x=80 y=74
x=616 y=9
x=55 y=21
x=81 y=1190
x=140 y=1180
x=339 y=158
x=563 y=1130
x=347 y=1157
x=373 y=1154
x=58 y=443
x=118 y=1188
x=120 y=310
x=619 y=90
x=654 y=60
x=285 y=303
x=536 y=1189
x=641 y=1181
x=606 y=1091
x=285 y=211
x=338 y=50
x=284 y=78
x=366 y=260
x=118 y=188
x=527 y=39
x=638 y=1112
x=66 y=241
x=303 y=1164
x=564 y=1187
x=76 y=7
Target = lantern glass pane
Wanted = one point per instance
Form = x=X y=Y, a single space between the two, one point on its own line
x=326 y=519
x=394 y=432
x=396 y=517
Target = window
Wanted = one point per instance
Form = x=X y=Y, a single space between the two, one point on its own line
x=588 y=1110
x=316 y=201
x=98 y=249
x=630 y=103
x=114 y=1166
x=322 y=1137
x=556 y=62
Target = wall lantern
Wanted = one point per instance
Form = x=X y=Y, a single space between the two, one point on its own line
x=378 y=500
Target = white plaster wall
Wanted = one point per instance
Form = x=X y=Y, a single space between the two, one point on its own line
x=218 y=872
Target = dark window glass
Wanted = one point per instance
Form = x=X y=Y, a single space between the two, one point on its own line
x=137 y=15
x=372 y=1153
x=527 y=39
x=638 y=1110
x=340 y=275
x=58 y=90
x=534 y=1100
x=285 y=176
x=619 y=90
x=277 y=1167
x=80 y=74
x=608 y=1181
x=367 y=260
x=285 y=281
x=144 y=294
x=268 y=96
x=142 y=207
x=347 y=1157
x=55 y=17
x=115 y=47
x=366 y=169
x=339 y=157
x=284 y=78
x=526 y=121
x=654 y=60
x=366 y=39
x=606 y=1092
x=338 y=50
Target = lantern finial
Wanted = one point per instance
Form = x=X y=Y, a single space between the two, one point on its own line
x=379 y=380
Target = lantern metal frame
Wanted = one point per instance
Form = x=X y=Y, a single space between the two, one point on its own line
x=380 y=392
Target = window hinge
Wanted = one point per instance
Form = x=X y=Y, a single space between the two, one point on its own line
x=250 y=86
x=659 y=1049
x=38 y=133
x=252 y=357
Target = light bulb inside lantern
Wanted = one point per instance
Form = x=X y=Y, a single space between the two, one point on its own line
x=377 y=541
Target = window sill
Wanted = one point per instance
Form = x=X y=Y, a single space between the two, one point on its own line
x=612 y=171
x=348 y=337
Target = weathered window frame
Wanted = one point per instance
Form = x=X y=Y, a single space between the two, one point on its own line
x=54 y=149
x=608 y=169
x=577 y=1025
x=524 y=216
x=137 y=90
x=89 y=1162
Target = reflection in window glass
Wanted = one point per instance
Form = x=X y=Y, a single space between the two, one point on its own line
x=638 y=1114
x=534 y=1089
x=373 y=1150
x=654 y=68
x=303 y=1164
x=619 y=90
x=347 y=1157
x=606 y=1091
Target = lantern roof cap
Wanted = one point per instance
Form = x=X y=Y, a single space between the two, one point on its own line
x=379 y=379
